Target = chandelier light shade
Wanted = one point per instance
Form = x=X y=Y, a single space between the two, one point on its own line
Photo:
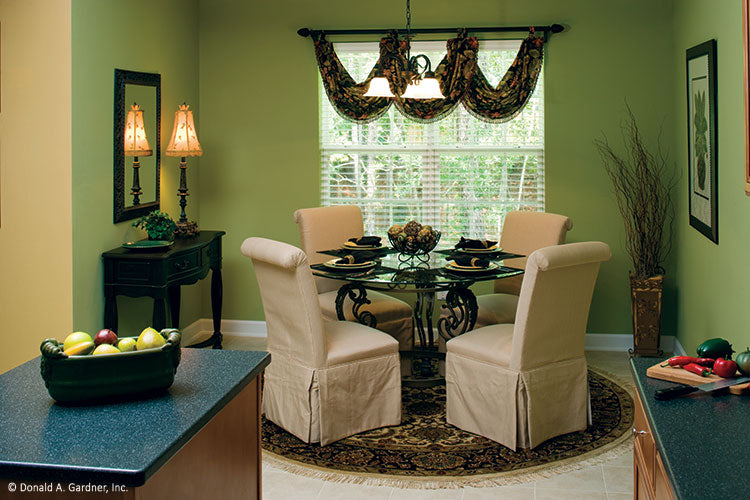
x=184 y=140
x=136 y=143
x=379 y=87
x=425 y=88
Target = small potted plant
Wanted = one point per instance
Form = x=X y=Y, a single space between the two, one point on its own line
x=158 y=225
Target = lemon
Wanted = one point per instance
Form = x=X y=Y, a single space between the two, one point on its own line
x=150 y=338
x=76 y=338
x=105 y=349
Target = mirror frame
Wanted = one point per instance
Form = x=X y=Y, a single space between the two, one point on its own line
x=123 y=77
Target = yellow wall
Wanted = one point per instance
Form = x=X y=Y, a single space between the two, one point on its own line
x=35 y=177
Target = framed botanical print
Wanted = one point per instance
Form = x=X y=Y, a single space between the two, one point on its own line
x=745 y=14
x=702 y=143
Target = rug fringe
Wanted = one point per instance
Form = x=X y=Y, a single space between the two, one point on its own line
x=612 y=450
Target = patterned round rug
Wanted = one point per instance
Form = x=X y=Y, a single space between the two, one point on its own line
x=424 y=446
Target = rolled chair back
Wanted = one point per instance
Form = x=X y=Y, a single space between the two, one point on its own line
x=324 y=228
x=290 y=301
x=553 y=307
x=524 y=232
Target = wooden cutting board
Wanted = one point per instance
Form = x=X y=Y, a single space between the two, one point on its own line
x=674 y=374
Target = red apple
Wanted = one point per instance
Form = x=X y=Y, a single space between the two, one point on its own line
x=105 y=336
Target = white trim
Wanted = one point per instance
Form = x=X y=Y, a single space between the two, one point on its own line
x=234 y=327
x=257 y=329
x=623 y=342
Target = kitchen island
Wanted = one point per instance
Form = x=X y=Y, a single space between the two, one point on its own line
x=701 y=441
x=200 y=439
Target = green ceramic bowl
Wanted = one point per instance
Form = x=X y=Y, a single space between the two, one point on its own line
x=73 y=379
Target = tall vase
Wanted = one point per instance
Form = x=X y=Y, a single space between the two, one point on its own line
x=645 y=300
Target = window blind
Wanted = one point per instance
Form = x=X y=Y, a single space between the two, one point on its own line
x=461 y=175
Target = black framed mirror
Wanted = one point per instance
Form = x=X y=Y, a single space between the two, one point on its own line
x=137 y=143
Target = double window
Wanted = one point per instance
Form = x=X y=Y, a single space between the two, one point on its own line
x=460 y=175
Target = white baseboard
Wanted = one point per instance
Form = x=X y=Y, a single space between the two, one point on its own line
x=253 y=328
x=623 y=342
x=234 y=327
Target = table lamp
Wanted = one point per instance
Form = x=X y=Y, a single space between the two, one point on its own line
x=136 y=144
x=184 y=143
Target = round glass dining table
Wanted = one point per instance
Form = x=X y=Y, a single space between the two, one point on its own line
x=391 y=272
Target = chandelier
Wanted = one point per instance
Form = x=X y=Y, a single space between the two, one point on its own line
x=422 y=83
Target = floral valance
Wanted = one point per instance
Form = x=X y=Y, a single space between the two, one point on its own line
x=461 y=81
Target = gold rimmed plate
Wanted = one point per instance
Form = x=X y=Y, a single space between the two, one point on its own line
x=353 y=246
x=146 y=245
x=493 y=248
x=470 y=269
x=354 y=267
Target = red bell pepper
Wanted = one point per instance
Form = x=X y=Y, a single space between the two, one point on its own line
x=725 y=368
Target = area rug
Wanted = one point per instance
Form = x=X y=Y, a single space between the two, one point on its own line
x=424 y=451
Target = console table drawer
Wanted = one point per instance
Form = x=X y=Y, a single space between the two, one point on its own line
x=185 y=263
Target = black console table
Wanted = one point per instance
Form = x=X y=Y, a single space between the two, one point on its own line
x=159 y=274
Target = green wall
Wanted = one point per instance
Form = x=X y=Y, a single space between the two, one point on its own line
x=712 y=279
x=253 y=83
x=259 y=102
x=138 y=35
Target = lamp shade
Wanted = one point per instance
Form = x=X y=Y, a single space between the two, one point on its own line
x=184 y=141
x=379 y=87
x=136 y=143
x=425 y=88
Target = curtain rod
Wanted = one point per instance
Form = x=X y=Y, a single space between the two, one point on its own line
x=554 y=28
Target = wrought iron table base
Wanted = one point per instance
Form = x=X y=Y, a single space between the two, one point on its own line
x=461 y=304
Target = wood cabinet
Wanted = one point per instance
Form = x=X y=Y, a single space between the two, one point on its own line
x=650 y=480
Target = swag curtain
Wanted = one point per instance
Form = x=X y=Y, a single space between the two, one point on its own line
x=461 y=80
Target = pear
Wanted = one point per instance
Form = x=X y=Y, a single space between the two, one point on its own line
x=150 y=338
x=126 y=344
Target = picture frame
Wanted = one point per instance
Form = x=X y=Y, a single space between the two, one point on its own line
x=746 y=88
x=702 y=139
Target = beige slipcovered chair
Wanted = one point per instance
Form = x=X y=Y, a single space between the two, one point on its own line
x=523 y=232
x=327 y=379
x=522 y=383
x=325 y=228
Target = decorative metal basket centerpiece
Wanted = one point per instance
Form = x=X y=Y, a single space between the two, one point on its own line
x=413 y=240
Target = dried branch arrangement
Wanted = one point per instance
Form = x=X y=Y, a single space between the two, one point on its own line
x=643 y=184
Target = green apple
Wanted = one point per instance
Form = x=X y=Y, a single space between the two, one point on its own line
x=127 y=344
x=105 y=349
x=150 y=338
x=76 y=338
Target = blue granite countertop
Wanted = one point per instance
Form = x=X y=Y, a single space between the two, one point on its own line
x=703 y=438
x=123 y=442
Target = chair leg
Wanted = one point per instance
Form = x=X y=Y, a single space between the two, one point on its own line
x=589 y=418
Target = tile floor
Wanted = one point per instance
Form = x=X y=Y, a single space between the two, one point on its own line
x=612 y=480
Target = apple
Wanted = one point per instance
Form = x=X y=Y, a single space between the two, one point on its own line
x=127 y=344
x=105 y=336
x=105 y=349
x=76 y=338
x=150 y=338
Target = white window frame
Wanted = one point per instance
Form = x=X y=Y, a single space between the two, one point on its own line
x=431 y=152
